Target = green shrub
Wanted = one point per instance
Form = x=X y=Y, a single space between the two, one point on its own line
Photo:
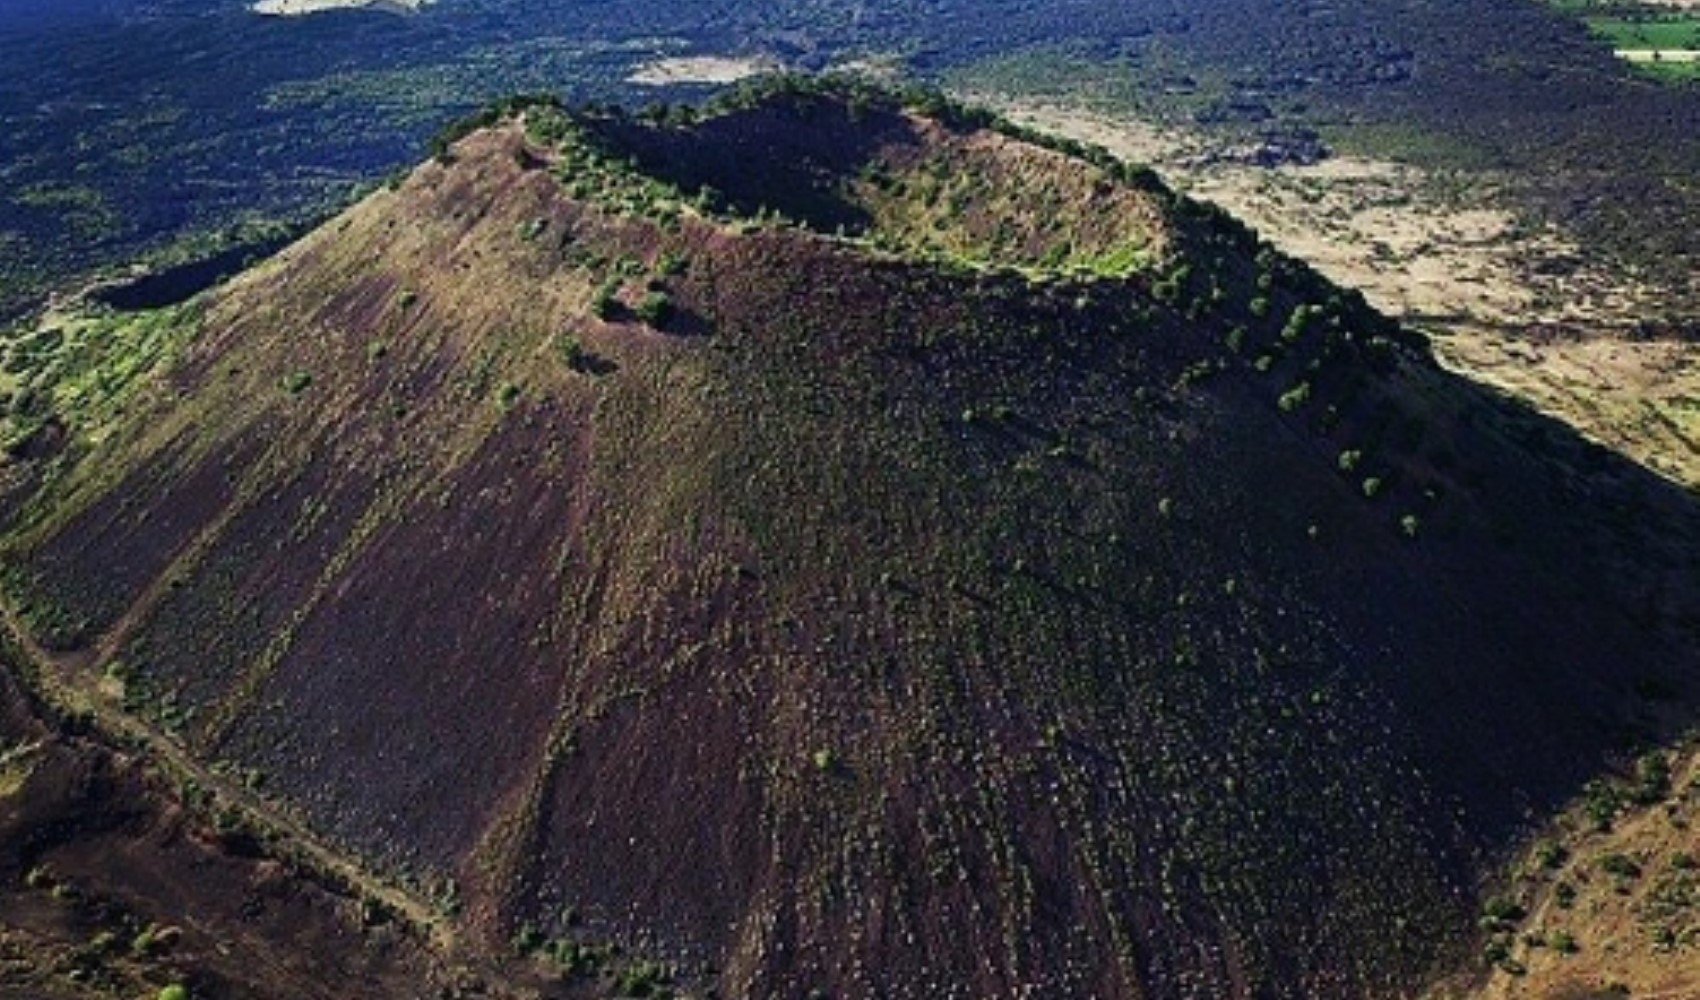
x=527 y=940
x=644 y=979
x=572 y=351
x=1372 y=487
x=1503 y=910
x=145 y=943
x=603 y=302
x=176 y=991
x=296 y=383
x=655 y=309
x=1298 y=323
x=1601 y=802
x=1621 y=865
x=1295 y=397
x=1652 y=780
x=1349 y=459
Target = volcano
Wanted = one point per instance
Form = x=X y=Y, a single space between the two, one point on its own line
x=835 y=543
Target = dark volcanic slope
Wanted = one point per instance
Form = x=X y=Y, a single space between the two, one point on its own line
x=110 y=889
x=1041 y=586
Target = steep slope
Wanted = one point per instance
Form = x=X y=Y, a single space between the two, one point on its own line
x=110 y=888
x=831 y=545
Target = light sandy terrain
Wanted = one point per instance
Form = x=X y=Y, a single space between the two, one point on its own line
x=1634 y=935
x=887 y=68
x=297 y=8
x=700 y=69
x=1516 y=307
x=1641 y=398
x=1659 y=55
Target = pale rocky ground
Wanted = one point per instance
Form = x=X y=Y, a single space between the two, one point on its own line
x=297 y=8
x=700 y=69
x=1659 y=55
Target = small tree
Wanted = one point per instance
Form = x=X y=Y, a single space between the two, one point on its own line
x=572 y=351
x=602 y=304
x=655 y=309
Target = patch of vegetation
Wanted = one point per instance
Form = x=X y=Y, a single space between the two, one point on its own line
x=655 y=309
x=1620 y=865
x=1602 y=802
x=1295 y=397
x=605 y=303
x=441 y=145
x=644 y=979
x=79 y=370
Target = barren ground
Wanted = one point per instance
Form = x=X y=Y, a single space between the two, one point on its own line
x=298 y=8
x=699 y=69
